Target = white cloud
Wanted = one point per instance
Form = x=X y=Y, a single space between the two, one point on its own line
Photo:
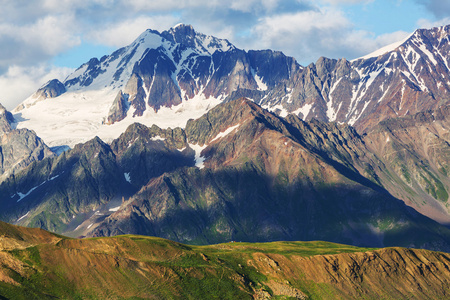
x=125 y=32
x=440 y=8
x=237 y=5
x=340 y=2
x=310 y=34
x=18 y=83
x=424 y=23
x=30 y=43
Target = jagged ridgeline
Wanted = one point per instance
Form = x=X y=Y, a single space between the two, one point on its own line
x=238 y=173
x=40 y=265
x=169 y=77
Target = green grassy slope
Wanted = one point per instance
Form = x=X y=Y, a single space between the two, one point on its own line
x=137 y=267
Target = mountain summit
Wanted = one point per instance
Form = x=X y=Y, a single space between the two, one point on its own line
x=161 y=78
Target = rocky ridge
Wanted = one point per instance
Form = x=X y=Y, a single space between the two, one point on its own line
x=180 y=71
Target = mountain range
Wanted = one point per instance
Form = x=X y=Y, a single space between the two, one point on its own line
x=184 y=136
x=167 y=78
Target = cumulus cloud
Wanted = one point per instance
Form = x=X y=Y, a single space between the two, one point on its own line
x=126 y=31
x=310 y=34
x=440 y=8
x=18 y=83
x=41 y=40
x=339 y=2
x=425 y=23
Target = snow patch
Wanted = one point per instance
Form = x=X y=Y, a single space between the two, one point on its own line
x=261 y=85
x=199 y=159
x=127 y=177
x=22 y=217
x=22 y=195
x=430 y=56
x=304 y=110
x=114 y=208
x=157 y=138
x=283 y=112
x=77 y=117
x=225 y=133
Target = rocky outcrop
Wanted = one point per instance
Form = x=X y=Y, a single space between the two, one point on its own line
x=18 y=147
x=51 y=89
x=395 y=272
x=6 y=118
x=118 y=110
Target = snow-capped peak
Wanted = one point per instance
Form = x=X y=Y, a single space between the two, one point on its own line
x=385 y=49
x=157 y=73
x=178 y=25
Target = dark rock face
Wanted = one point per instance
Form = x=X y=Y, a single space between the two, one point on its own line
x=52 y=89
x=6 y=118
x=118 y=110
x=58 y=188
x=18 y=147
x=92 y=70
x=406 y=80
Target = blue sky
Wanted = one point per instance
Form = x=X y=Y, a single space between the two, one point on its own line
x=45 y=39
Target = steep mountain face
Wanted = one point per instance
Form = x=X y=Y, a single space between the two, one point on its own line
x=237 y=173
x=39 y=265
x=167 y=78
x=18 y=147
x=51 y=193
x=80 y=186
x=416 y=151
